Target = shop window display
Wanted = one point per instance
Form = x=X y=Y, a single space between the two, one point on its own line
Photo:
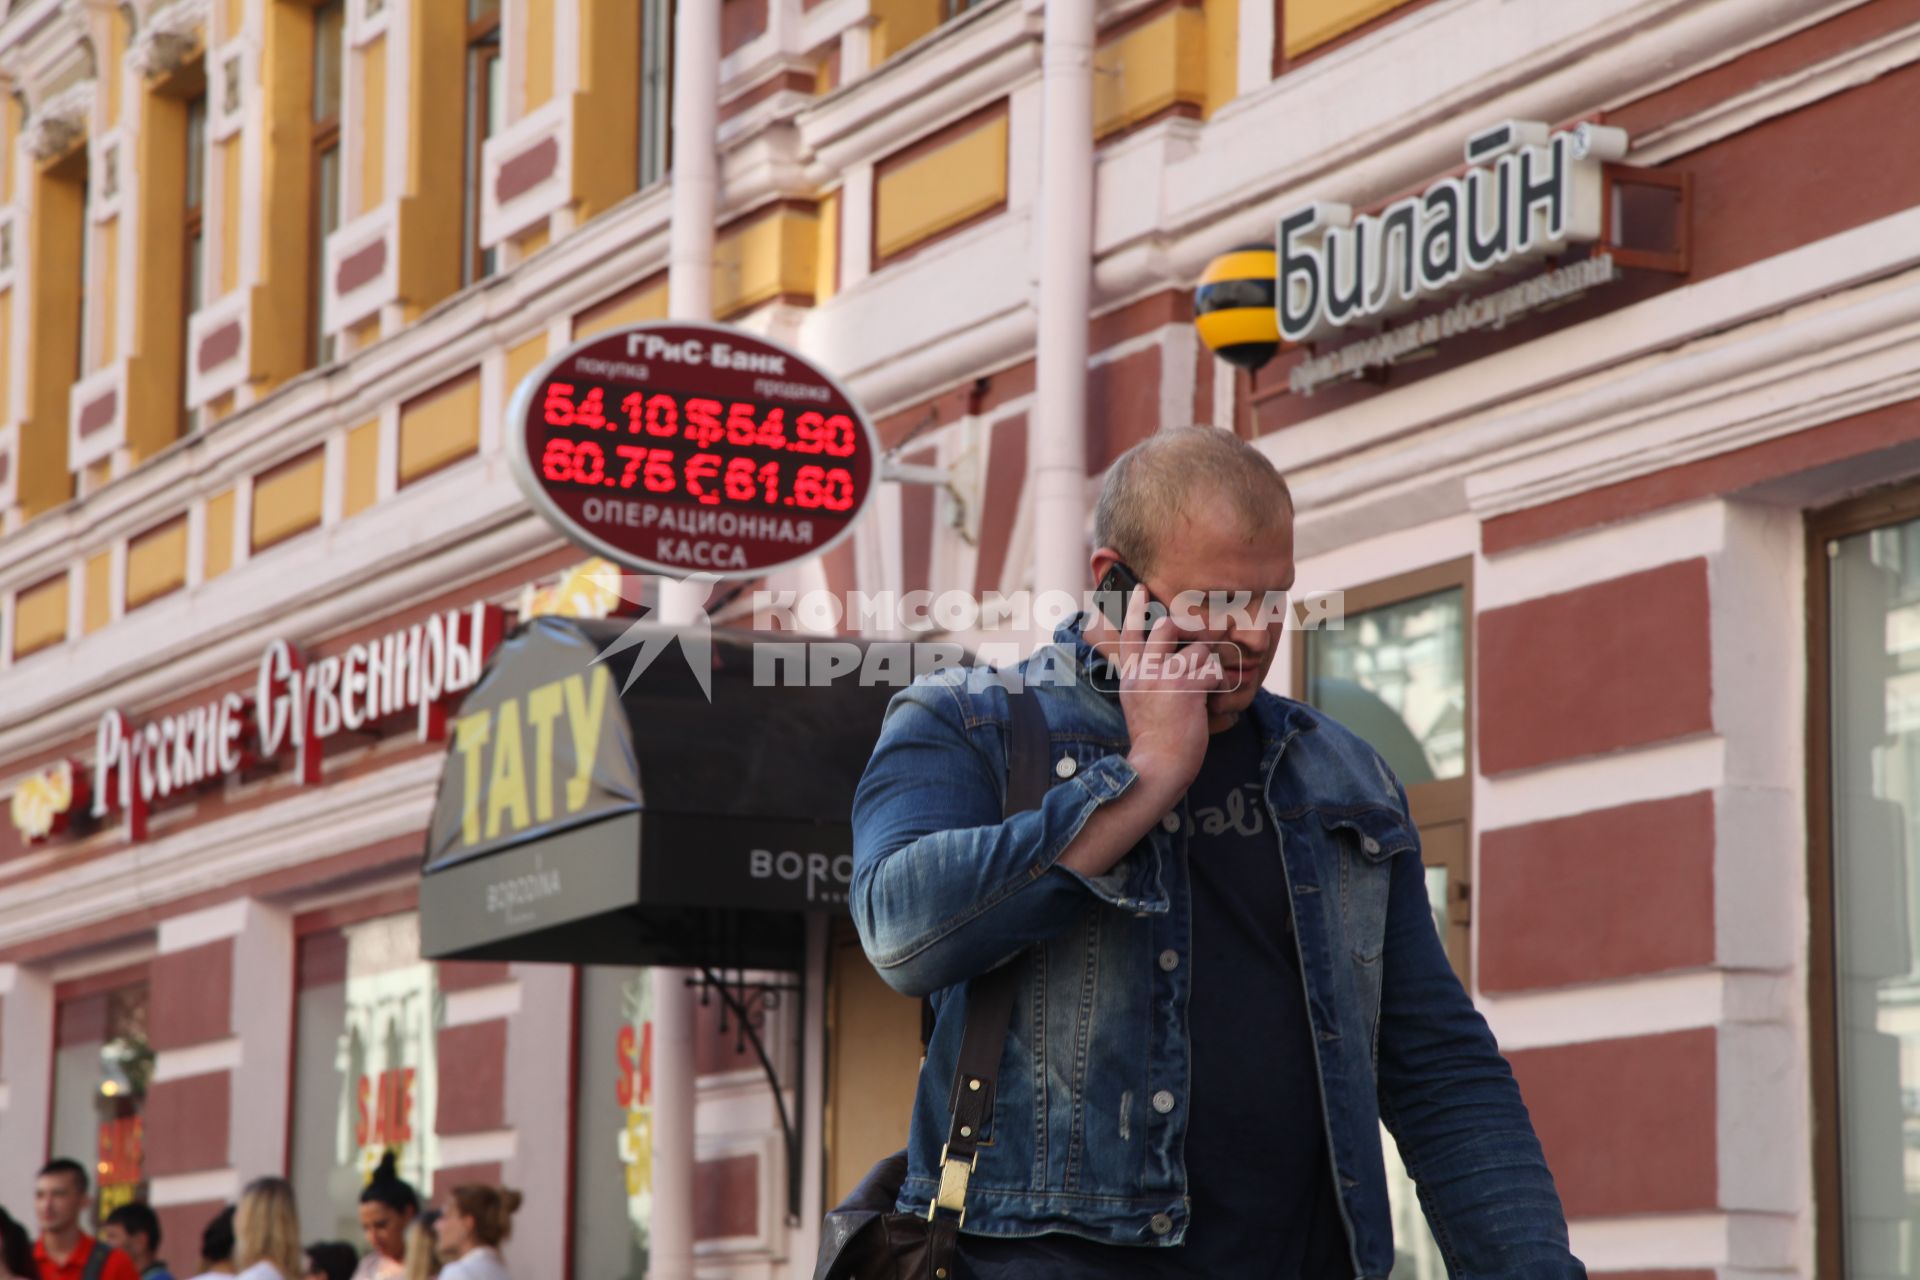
x=365 y=1067
x=613 y=1144
x=103 y=1065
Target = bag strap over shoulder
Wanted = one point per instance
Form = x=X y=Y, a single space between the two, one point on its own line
x=97 y=1261
x=990 y=996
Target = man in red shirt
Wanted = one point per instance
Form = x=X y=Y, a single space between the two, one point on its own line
x=64 y=1251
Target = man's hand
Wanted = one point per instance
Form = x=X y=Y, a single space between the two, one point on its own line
x=1167 y=725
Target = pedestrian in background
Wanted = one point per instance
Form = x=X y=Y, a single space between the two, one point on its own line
x=64 y=1251
x=134 y=1229
x=216 y=1246
x=267 y=1232
x=423 y=1260
x=331 y=1260
x=16 y=1250
x=388 y=1206
x=473 y=1225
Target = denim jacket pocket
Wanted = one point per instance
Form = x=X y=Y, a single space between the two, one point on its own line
x=1366 y=841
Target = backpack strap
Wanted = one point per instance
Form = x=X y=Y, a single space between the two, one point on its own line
x=990 y=996
x=97 y=1261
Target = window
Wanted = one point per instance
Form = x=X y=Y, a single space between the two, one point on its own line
x=102 y=1065
x=613 y=1146
x=1398 y=674
x=656 y=89
x=486 y=103
x=329 y=56
x=1864 y=882
x=84 y=268
x=364 y=1071
x=193 y=237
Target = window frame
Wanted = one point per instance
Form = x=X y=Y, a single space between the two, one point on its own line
x=1446 y=801
x=193 y=241
x=654 y=131
x=481 y=50
x=1876 y=510
x=323 y=142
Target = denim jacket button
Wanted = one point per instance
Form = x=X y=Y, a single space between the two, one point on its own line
x=1169 y=960
x=1170 y=823
x=1065 y=767
x=1370 y=845
x=1160 y=1223
x=1163 y=1102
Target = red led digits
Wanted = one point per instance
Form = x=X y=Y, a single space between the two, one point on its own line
x=703 y=476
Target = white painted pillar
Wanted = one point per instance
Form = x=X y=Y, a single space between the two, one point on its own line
x=26 y=1082
x=695 y=177
x=1058 y=430
x=536 y=1114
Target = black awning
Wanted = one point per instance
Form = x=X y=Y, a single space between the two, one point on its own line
x=582 y=824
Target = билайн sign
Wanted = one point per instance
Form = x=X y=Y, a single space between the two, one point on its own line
x=1527 y=194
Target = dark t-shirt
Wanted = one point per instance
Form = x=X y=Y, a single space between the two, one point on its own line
x=1258 y=1177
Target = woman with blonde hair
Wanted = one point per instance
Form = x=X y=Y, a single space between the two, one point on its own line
x=474 y=1223
x=267 y=1232
x=423 y=1260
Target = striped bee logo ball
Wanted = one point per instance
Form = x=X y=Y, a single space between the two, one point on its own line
x=1233 y=306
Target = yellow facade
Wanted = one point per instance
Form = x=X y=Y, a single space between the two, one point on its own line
x=154 y=365
x=539 y=52
x=405 y=136
x=440 y=427
x=373 y=124
x=941 y=188
x=96 y=592
x=362 y=488
x=606 y=131
x=53 y=334
x=157 y=562
x=644 y=301
x=1159 y=64
x=771 y=256
x=287 y=500
x=523 y=357
x=219 y=536
x=40 y=617
x=1307 y=24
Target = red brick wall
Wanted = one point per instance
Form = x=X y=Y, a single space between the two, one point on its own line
x=187 y=1124
x=1621 y=663
x=191 y=996
x=1607 y=894
x=1602 y=1107
x=473 y=1078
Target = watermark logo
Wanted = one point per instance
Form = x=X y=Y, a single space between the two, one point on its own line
x=652 y=636
x=809 y=634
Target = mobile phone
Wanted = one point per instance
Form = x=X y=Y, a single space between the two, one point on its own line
x=1116 y=588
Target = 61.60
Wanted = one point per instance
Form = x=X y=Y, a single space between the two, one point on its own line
x=706 y=477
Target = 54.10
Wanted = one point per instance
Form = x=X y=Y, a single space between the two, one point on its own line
x=704 y=477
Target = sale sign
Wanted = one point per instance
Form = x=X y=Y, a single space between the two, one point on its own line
x=388 y=1054
x=679 y=448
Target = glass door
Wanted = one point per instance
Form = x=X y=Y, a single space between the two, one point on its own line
x=1864 y=883
x=1397 y=672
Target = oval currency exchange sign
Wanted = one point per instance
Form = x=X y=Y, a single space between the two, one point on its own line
x=678 y=448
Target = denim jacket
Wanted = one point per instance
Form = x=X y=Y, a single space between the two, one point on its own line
x=944 y=889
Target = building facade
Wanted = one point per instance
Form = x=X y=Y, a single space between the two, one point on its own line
x=1621 y=491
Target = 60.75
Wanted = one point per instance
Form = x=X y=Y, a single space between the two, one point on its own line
x=706 y=477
